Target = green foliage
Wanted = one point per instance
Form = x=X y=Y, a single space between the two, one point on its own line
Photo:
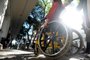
x=46 y=4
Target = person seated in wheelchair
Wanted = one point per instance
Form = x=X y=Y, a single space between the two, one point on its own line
x=38 y=14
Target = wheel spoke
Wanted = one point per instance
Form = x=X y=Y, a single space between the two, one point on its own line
x=76 y=38
x=46 y=45
x=75 y=46
x=52 y=46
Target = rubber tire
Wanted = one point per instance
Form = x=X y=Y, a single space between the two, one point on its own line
x=66 y=46
x=81 y=42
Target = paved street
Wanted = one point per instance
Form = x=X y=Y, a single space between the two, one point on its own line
x=24 y=55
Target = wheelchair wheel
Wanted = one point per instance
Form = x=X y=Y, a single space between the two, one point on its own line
x=77 y=43
x=55 y=40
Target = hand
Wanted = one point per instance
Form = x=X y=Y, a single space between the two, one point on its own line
x=45 y=24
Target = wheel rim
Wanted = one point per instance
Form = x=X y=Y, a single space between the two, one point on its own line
x=76 y=42
x=54 y=41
